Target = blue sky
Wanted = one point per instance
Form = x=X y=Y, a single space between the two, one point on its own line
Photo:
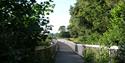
x=61 y=13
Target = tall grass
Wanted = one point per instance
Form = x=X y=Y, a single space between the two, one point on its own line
x=98 y=55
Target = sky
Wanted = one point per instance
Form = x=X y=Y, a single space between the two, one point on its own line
x=61 y=14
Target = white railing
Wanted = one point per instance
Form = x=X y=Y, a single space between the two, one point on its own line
x=79 y=48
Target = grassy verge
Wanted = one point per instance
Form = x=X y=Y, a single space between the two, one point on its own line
x=73 y=40
x=94 y=55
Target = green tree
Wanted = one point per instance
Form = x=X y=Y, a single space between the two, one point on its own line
x=116 y=31
x=90 y=19
x=99 y=22
x=22 y=28
x=63 y=32
x=62 y=28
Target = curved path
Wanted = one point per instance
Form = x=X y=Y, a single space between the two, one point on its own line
x=66 y=55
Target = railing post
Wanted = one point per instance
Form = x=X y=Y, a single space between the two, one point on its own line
x=76 y=48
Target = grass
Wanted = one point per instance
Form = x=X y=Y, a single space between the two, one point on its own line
x=73 y=40
x=94 y=55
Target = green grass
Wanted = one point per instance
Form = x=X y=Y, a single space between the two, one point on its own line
x=93 y=55
x=73 y=40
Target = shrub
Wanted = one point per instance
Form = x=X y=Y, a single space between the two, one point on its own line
x=98 y=55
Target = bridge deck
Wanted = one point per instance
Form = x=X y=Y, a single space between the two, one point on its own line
x=66 y=55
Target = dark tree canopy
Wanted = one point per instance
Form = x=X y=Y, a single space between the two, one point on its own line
x=23 y=24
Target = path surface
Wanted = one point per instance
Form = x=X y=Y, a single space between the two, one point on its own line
x=66 y=55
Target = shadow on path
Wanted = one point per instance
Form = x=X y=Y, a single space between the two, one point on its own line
x=66 y=55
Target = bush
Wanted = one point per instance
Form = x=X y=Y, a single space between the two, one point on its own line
x=95 y=55
x=23 y=24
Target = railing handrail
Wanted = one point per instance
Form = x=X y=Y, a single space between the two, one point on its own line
x=99 y=46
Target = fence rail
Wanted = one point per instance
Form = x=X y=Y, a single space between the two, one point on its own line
x=81 y=48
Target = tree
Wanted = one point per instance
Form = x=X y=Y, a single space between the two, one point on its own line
x=21 y=24
x=90 y=19
x=99 y=22
x=116 y=31
x=63 y=33
x=62 y=28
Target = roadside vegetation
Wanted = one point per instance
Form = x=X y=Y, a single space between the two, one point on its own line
x=23 y=26
x=99 y=22
x=99 y=55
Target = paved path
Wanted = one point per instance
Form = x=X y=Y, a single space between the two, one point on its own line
x=66 y=55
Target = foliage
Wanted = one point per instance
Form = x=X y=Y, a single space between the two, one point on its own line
x=91 y=19
x=23 y=26
x=86 y=19
x=45 y=55
x=115 y=32
x=62 y=28
x=97 y=21
x=63 y=32
x=95 y=55
x=88 y=56
x=64 y=35
x=118 y=25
